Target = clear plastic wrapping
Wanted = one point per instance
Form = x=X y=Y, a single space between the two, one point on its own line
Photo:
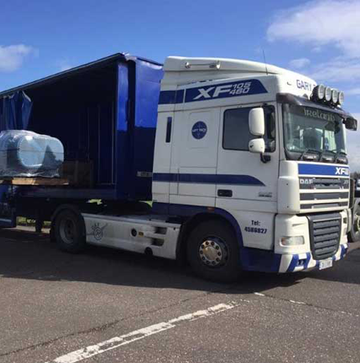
x=27 y=154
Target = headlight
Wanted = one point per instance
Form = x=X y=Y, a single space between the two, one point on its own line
x=327 y=94
x=292 y=241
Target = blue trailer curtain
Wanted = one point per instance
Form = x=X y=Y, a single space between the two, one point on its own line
x=15 y=111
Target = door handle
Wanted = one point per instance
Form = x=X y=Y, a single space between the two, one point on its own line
x=225 y=193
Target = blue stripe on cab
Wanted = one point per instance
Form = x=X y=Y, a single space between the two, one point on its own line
x=171 y=97
x=212 y=92
x=208 y=179
x=225 y=90
x=316 y=169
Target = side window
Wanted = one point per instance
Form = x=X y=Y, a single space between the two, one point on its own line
x=270 y=129
x=236 y=135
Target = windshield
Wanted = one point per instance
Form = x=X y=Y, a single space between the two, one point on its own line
x=311 y=130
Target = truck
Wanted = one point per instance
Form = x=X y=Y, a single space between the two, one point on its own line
x=225 y=164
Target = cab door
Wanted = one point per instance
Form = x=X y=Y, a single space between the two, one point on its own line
x=247 y=183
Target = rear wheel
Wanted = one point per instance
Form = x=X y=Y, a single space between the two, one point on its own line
x=213 y=252
x=354 y=234
x=69 y=231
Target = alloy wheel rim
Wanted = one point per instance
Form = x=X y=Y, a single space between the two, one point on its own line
x=213 y=252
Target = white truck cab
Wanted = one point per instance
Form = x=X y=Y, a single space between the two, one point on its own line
x=260 y=147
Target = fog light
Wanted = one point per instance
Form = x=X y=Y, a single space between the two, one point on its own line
x=327 y=94
x=319 y=92
x=292 y=241
x=341 y=98
x=334 y=96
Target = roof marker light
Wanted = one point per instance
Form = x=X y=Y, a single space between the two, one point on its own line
x=212 y=65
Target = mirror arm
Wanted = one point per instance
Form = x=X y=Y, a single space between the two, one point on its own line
x=265 y=158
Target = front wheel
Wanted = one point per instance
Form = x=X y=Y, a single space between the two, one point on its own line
x=213 y=252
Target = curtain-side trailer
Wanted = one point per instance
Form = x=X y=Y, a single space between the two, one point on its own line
x=105 y=114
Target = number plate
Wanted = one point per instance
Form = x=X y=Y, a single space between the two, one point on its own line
x=325 y=264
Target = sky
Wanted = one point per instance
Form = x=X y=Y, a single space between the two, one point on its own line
x=318 y=38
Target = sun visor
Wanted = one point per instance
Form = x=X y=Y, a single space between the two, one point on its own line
x=349 y=121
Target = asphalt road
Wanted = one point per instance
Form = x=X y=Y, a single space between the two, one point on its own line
x=111 y=306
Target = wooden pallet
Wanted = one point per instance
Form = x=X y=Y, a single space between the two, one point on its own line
x=34 y=181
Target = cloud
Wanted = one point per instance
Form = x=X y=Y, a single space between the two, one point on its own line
x=353 y=92
x=319 y=23
x=337 y=70
x=12 y=57
x=299 y=63
x=331 y=25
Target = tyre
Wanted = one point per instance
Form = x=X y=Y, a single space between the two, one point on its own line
x=354 y=234
x=69 y=231
x=213 y=252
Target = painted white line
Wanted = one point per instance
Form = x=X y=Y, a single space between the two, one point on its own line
x=116 y=342
x=297 y=302
x=259 y=294
x=272 y=297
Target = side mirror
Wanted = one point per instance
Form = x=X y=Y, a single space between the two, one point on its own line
x=257 y=121
x=257 y=146
x=351 y=124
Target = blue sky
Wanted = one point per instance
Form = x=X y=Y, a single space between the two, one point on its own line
x=320 y=38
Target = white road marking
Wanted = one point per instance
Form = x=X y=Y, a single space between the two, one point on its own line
x=117 y=342
x=297 y=302
x=259 y=294
x=272 y=297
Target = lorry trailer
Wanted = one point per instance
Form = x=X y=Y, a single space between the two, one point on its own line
x=227 y=164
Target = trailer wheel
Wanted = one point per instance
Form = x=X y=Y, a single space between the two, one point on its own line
x=213 y=252
x=354 y=234
x=69 y=231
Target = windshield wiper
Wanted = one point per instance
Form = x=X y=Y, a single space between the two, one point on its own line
x=311 y=150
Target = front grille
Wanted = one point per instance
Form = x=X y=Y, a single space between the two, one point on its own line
x=325 y=231
x=323 y=183
x=323 y=193
x=320 y=196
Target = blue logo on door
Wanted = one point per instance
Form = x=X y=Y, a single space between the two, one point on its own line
x=199 y=130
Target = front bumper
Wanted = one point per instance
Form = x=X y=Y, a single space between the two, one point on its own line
x=267 y=261
x=305 y=262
